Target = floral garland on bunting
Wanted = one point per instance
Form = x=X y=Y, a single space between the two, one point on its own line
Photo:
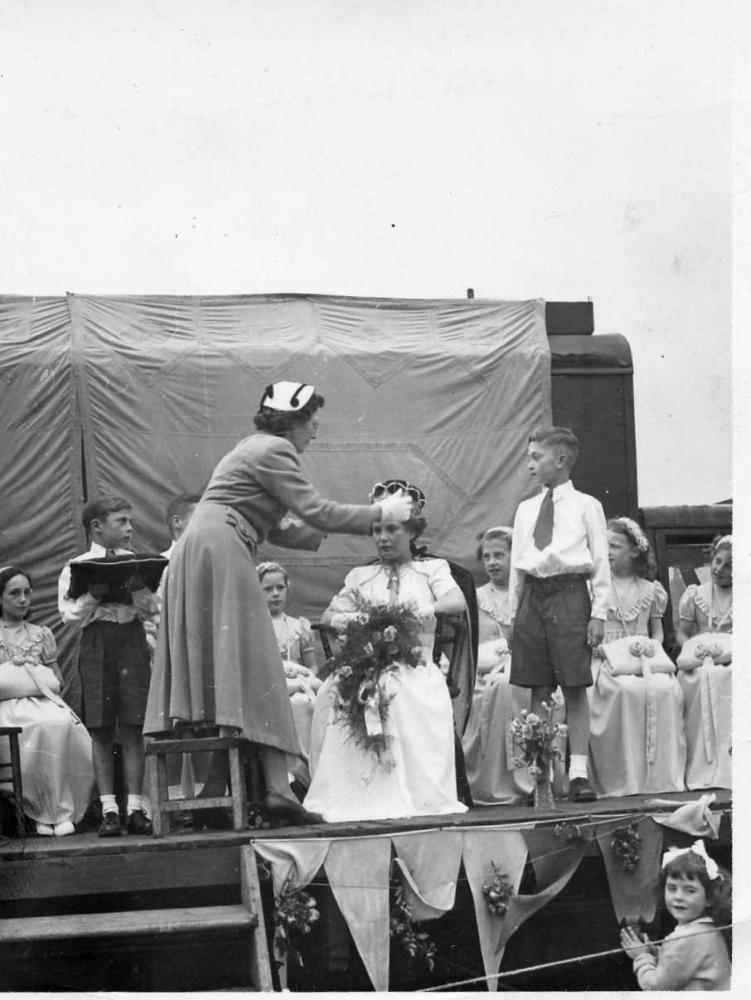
x=625 y=844
x=417 y=944
x=295 y=912
x=570 y=832
x=377 y=640
x=497 y=892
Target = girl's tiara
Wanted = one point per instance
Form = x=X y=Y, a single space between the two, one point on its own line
x=725 y=540
x=696 y=848
x=634 y=532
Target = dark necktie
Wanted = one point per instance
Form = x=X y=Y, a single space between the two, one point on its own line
x=543 y=533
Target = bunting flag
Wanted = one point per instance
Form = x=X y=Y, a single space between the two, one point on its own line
x=358 y=873
x=551 y=855
x=296 y=862
x=633 y=892
x=429 y=862
x=508 y=850
x=694 y=818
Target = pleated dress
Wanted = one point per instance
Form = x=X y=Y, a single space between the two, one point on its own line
x=217 y=658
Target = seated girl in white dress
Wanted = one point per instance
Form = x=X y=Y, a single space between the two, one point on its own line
x=707 y=689
x=416 y=774
x=56 y=768
x=487 y=744
x=637 y=741
x=296 y=644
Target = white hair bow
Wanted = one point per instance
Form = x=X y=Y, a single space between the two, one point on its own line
x=696 y=848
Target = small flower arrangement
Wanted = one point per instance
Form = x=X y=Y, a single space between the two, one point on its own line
x=535 y=738
x=642 y=647
x=376 y=641
x=625 y=844
x=497 y=892
x=570 y=832
x=295 y=912
x=417 y=944
x=714 y=650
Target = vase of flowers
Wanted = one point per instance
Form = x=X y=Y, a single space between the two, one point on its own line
x=535 y=738
x=376 y=641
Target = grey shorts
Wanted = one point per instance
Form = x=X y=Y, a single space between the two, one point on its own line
x=549 y=642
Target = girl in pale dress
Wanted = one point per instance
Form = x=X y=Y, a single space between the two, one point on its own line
x=296 y=644
x=488 y=749
x=637 y=740
x=417 y=777
x=707 y=690
x=56 y=767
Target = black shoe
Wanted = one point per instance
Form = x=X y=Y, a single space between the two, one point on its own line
x=110 y=825
x=580 y=790
x=139 y=823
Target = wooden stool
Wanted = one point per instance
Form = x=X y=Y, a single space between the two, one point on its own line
x=14 y=765
x=156 y=770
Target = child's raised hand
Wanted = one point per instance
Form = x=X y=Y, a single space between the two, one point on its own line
x=634 y=943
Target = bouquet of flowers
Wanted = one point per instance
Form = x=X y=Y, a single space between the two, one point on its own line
x=497 y=892
x=377 y=640
x=295 y=912
x=417 y=944
x=535 y=738
x=625 y=844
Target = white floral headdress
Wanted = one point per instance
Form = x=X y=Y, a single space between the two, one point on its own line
x=634 y=532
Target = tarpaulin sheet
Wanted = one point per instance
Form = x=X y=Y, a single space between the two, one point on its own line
x=40 y=465
x=154 y=390
x=443 y=393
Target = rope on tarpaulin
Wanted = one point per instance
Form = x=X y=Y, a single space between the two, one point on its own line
x=552 y=965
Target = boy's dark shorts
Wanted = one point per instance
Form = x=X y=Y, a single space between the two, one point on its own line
x=549 y=641
x=115 y=667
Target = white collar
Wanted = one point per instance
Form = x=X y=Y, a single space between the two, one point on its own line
x=559 y=491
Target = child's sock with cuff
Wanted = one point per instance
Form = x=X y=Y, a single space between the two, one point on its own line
x=577 y=766
x=109 y=803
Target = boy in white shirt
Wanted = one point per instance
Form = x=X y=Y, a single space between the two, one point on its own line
x=559 y=549
x=114 y=664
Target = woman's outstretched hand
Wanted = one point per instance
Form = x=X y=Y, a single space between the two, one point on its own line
x=397 y=507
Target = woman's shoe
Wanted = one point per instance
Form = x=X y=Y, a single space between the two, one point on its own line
x=45 y=830
x=281 y=807
x=64 y=829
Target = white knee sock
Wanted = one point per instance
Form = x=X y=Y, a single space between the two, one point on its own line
x=109 y=803
x=577 y=766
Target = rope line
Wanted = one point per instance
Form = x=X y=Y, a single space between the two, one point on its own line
x=552 y=965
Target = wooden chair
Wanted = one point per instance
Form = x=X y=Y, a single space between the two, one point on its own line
x=57 y=881
x=243 y=766
x=14 y=766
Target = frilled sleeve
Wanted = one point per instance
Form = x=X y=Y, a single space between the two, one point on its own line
x=687 y=605
x=659 y=601
x=49 y=646
x=307 y=643
x=278 y=472
x=440 y=579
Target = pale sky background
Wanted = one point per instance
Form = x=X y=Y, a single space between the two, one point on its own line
x=522 y=147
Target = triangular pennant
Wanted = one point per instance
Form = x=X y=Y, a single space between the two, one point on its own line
x=429 y=862
x=293 y=860
x=632 y=892
x=358 y=873
x=508 y=851
x=521 y=908
x=550 y=855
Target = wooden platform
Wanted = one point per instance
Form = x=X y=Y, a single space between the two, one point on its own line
x=203 y=871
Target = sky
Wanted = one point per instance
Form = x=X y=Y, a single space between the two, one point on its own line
x=407 y=149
